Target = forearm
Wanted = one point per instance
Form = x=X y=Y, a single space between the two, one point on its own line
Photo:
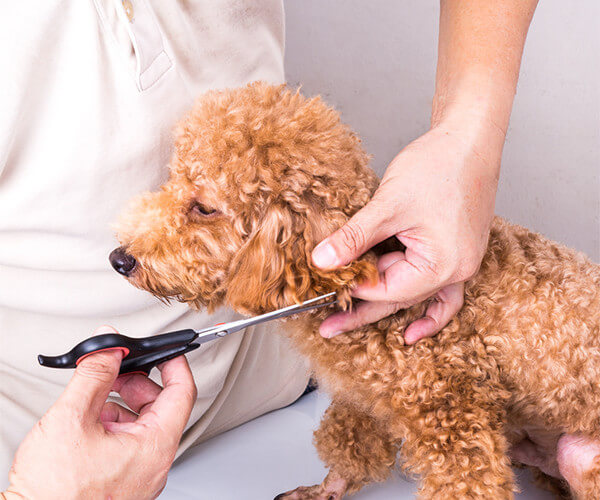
x=479 y=55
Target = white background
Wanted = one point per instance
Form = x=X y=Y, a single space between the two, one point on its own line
x=375 y=61
x=274 y=453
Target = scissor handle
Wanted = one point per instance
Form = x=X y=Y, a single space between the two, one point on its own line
x=145 y=363
x=141 y=354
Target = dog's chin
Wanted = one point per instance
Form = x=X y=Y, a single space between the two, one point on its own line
x=197 y=301
x=143 y=281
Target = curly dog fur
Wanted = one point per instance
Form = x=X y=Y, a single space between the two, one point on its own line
x=259 y=176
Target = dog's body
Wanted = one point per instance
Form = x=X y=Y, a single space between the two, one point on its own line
x=260 y=176
x=522 y=355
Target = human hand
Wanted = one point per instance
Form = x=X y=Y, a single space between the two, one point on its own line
x=87 y=447
x=437 y=197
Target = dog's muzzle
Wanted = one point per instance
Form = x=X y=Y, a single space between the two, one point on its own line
x=121 y=261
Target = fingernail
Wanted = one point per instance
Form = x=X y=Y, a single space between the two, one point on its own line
x=124 y=352
x=324 y=255
x=118 y=352
x=329 y=335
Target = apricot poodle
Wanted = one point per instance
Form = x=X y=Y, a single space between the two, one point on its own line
x=259 y=176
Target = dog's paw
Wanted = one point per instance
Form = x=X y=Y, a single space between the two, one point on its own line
x=330 y=490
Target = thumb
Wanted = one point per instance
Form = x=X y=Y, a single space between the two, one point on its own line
x=92 y=381
x=363 y=231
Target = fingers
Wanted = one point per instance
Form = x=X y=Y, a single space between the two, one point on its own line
x=137 y=391
x=386 y=260
x=114 y=412
x=448 y=301
x=403 y=282
x=171 y=409
x=363 y=314
x=92 y=381
x=364 y=230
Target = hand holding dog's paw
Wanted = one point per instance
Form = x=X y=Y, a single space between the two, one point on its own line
x=437 y=198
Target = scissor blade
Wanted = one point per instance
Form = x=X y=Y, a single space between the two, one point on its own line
x=212 y=333
x=234 y=326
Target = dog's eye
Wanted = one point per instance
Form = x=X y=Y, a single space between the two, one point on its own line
x=201 y=209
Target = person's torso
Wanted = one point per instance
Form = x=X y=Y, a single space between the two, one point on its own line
x=90 y=93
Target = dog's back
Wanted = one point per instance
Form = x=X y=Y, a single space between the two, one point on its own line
x=536 y=305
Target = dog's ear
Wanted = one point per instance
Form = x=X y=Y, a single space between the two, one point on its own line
x=274 y=268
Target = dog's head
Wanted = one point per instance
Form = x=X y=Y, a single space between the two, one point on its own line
x=259 y=176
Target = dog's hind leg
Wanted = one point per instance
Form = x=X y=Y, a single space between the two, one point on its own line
x=464 y=460
x=455 y=441
x=356 y=448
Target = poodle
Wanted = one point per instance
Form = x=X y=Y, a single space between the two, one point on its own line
x=259 y=176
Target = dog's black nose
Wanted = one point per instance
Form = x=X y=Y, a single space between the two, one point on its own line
x=121 y=261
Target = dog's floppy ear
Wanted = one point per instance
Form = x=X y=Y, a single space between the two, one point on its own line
x=274 y=269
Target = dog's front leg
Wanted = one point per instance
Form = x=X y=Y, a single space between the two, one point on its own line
x=356 y=448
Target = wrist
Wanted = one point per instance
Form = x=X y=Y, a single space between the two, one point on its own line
x=474 y=100
x=477 y=116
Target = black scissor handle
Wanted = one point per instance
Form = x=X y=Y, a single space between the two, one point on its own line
x=145 y=362
x=142 y=354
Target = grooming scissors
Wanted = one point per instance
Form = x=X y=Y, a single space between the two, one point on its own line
x=143 y=354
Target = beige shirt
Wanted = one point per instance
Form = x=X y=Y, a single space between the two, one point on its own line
x=89 y=94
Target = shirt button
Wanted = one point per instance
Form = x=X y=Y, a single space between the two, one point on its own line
x=128 y=8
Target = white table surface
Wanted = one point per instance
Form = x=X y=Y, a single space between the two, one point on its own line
x=272 y=454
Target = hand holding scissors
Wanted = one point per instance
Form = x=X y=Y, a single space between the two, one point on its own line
x=143 y=354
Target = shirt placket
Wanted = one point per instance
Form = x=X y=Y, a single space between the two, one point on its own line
x=152 y=61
